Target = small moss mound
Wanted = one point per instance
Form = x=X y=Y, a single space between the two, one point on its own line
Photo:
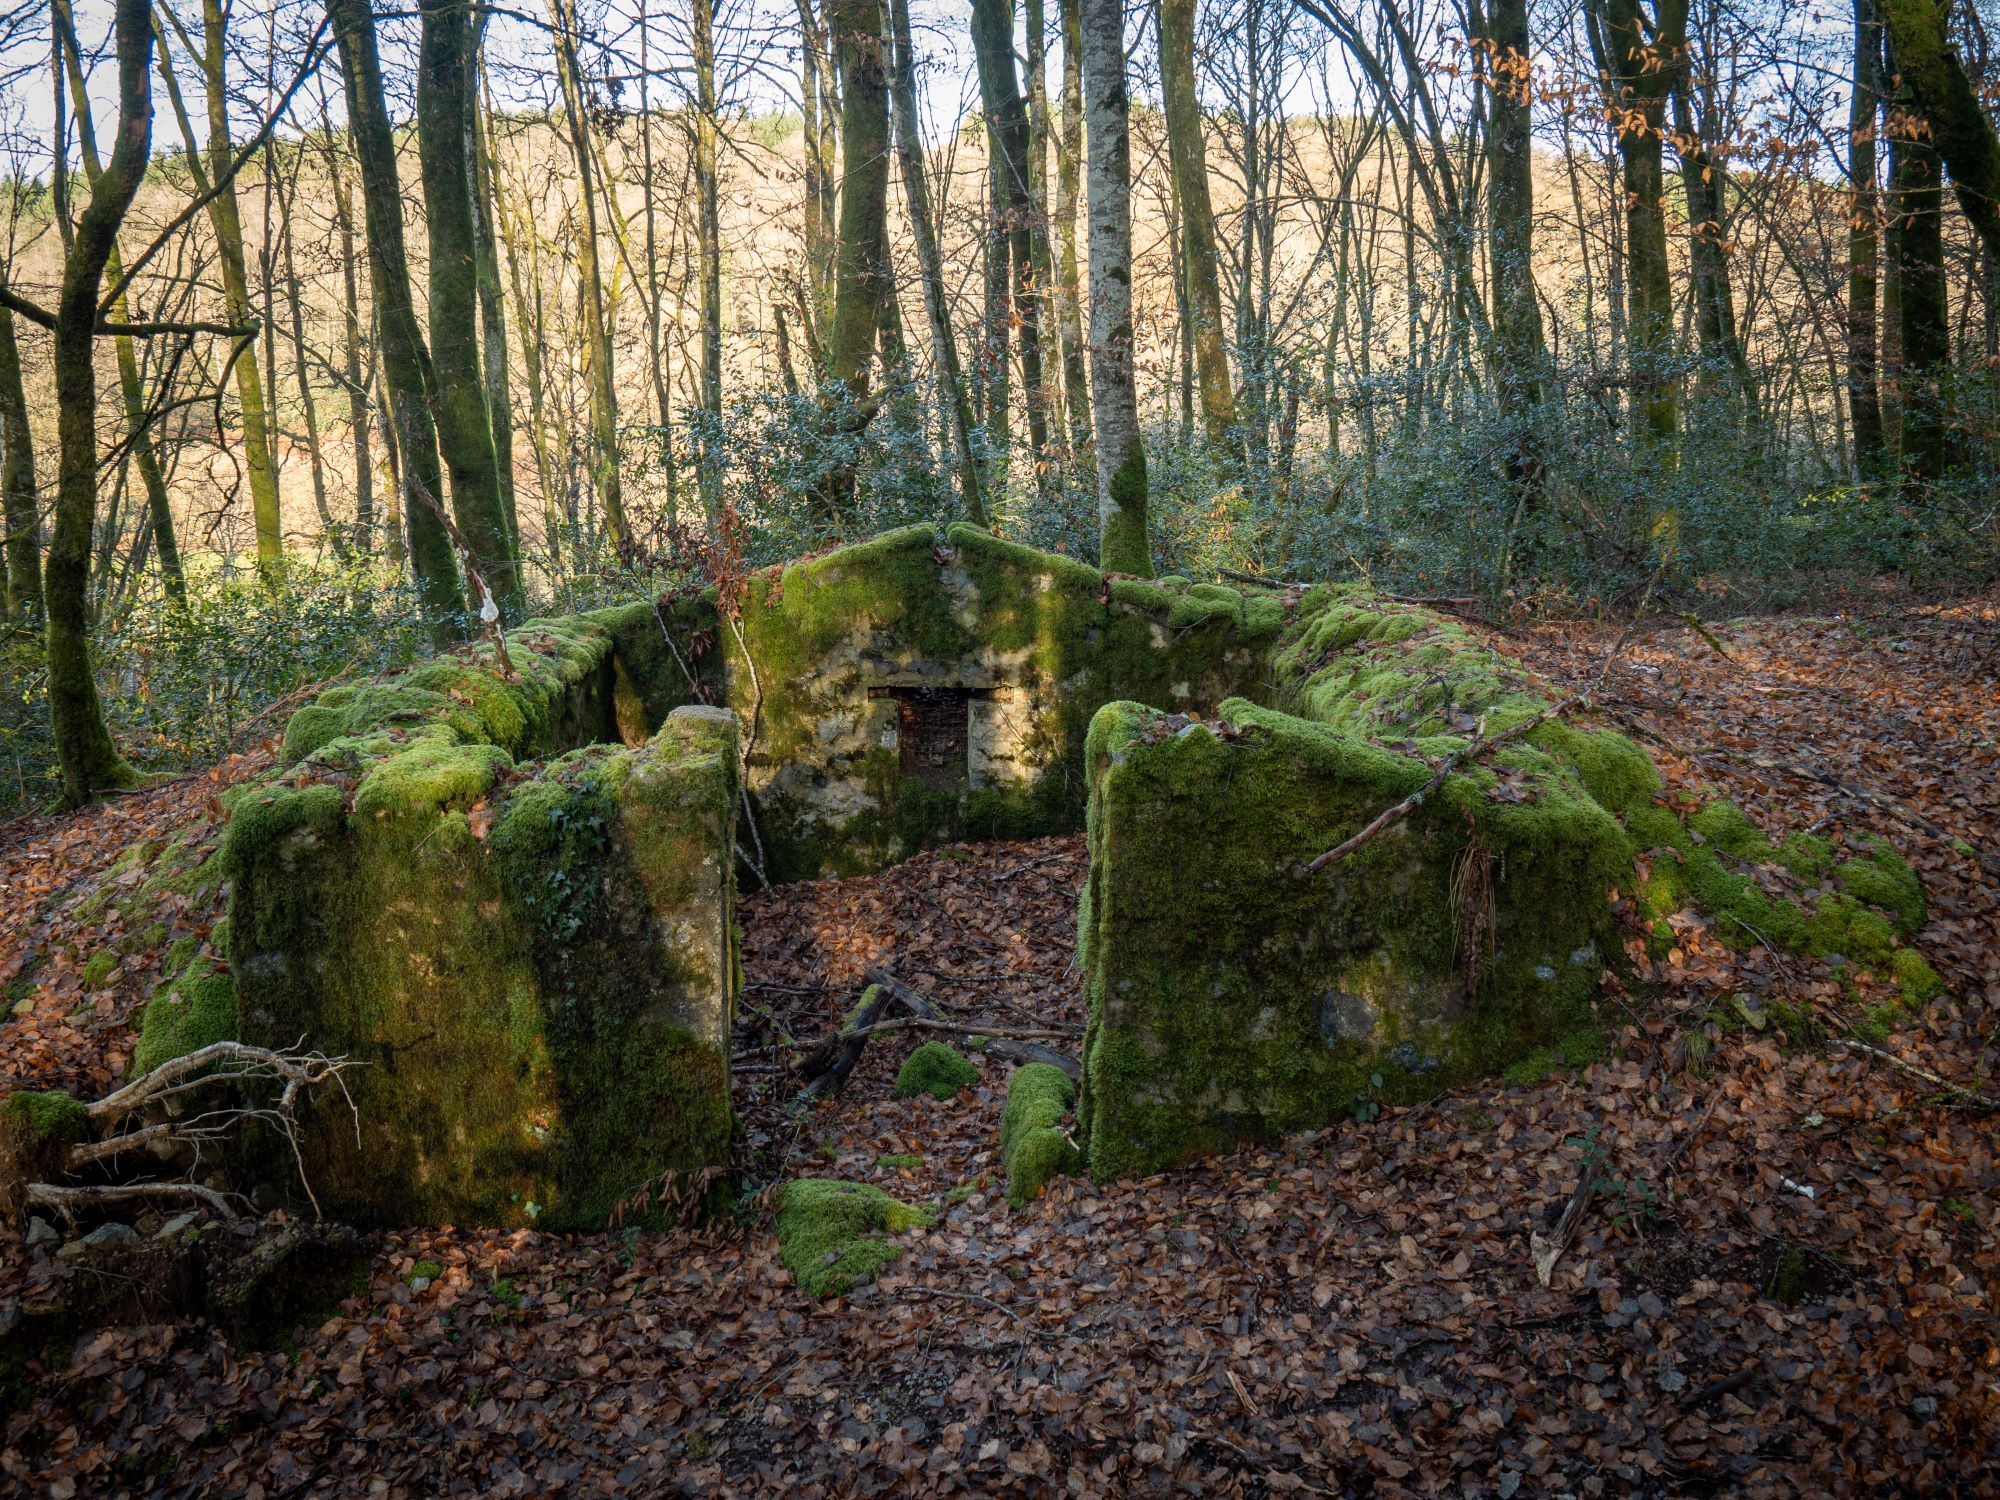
x=937 y=1070
x=1033 y=1145
x=36 y=1132
x=98 y=969
x=186 y=1014
x=832 y=1235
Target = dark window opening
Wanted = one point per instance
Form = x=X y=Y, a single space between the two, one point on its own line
x=932 y=738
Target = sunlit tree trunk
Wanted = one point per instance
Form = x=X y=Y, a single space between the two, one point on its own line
x=308 y=406
x=90 y=761
x=1068 y=293
x=403 y=356
x=863 y=263
x=930 y=262
x=493 y=350
x=597 y=334
x=139 y=437
x=1641 y=56
x=226 y=220
x=1123 y=546
x=1864 y=110
x=1189 y=158
x=1520 y=357
x=821 y=129
x=708 y=238
x=445 y=101
x=19 y=512
x=350 y=351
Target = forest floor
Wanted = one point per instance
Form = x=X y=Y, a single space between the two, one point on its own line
x=1789 y=1287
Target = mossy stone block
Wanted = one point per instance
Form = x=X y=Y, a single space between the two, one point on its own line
x=540 y=987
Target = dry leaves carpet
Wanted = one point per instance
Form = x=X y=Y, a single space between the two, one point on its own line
x=1353 y=1312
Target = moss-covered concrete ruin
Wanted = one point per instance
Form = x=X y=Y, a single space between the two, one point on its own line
x=506 y=886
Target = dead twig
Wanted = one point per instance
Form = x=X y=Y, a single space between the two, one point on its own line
x=1971 y=1096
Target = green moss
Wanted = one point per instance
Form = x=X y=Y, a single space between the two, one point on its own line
x=895 y=1161
x=1728 y=828
x=53 y=1118
x=36 y=1132
x=186 y=1014
x=833 y=1235
x=1577 y=1050
x=97 y=969
x=1034 y=1147
x=1807 y=856
x=1881 y=878
x=1122 y=543
x=935 y=1069
x=1914 y=975
x=1841 y=926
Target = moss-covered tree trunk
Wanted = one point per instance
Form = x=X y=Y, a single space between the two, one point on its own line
x=930 y=259
x=1017 y=209
x=90 y=761
x=1938 y=89
x=464 y=422
x=1121 y=457
x=139 y=438
x=596 y=329
x=1068 y=293
x=19 y=514
x=1864 y=399
x=862 y=280
x=1519 y=357
x=405 y=361
x=708 y=240
x=1641 y=56
x=492 y=300
x=1923 y=301
x=1188 y=156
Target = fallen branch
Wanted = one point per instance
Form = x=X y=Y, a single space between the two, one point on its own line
x=1957 y=1091
x=67 y=1200
x=1548 y=1248
x=1018 y=1044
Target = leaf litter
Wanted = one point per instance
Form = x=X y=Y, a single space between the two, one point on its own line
x=1352 y=1311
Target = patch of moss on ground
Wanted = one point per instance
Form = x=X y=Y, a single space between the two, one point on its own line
x=935 y=1069
x=1034 y=1147
x=1577 y=1050
x=835 y=1235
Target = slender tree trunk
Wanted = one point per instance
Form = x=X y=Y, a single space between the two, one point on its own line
x=19 y=512
x=930 y=261
x=492 y=302
x=90 y=761
x=863 y=263
x=1705 y=179
x=139 y=435
x=445 y=102
x=404 y=358
x=226 y=220
x=1642 y=56
x=1188 y=156
x=309 y=408
x=597 y=335
x=1123 y=546
x=1069 y=297
x=816 y=94
x=709 y=239
x=1864 y=110
x=1924 y=305
x=350 y=351
x=1519 y=356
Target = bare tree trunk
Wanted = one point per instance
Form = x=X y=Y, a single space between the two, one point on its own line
x=930 y=261
x=1520 y=357
x=709 y=239
x=445 y=102
x=405 y=361
x=817 y=100
x=492 y=303
x=309 y=408
x=19 y=512
x=1123 y=546
x=350 y=350
x=1923 y=301
x=139 y=436
x=597 y=336
x=1864 y=110
x=1189 y=158
x=90 y=761
x=1069 y=297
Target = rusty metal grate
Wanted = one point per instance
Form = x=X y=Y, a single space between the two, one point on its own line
x=931 y=735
